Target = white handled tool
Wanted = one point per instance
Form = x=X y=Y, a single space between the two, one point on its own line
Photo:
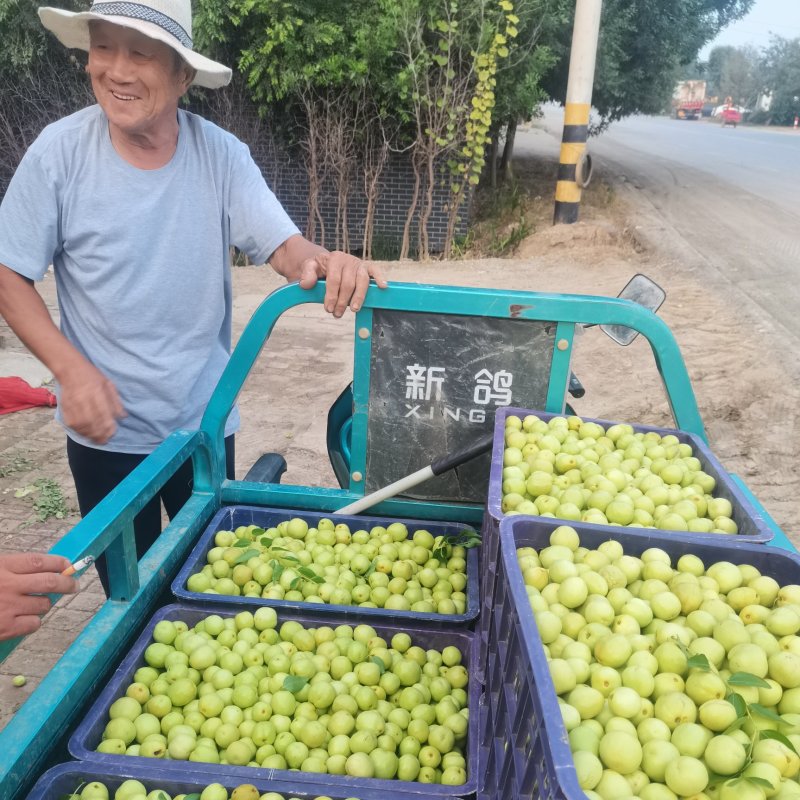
x=443 y=464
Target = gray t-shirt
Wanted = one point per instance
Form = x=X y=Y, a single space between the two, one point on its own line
x=141 y=259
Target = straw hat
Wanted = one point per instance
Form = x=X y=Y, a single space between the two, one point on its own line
x=168 y=21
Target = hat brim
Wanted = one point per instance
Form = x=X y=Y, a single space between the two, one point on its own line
x=72 y=30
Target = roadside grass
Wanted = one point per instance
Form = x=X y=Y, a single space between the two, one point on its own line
x=523 y=204
x=47 y=497
x=14 y=463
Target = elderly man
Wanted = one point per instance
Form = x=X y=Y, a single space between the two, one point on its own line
x=137 y=203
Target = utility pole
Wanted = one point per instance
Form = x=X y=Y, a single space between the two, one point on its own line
x=575 y=164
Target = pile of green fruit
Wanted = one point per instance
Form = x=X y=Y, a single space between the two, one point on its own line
x=239 y=690
x=674 y=681
x=135 y=790
x=576 y=470
x=379 y=568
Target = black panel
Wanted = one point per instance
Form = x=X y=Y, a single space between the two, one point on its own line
x=435 y=383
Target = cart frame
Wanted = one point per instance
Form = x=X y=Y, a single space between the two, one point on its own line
x=51 y=710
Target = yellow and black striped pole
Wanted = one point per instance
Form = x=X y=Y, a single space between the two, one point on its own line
x=574 y=166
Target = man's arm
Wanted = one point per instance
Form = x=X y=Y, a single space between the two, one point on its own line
x=346 y=277
x=89 y=401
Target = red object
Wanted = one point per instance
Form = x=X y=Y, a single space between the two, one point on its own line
x=690 y=109
x=731 y=116
x=17 y=395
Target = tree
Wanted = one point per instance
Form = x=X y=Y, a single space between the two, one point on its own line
x=519 y=77
x=781 y=73
x=449 y=58
x=734 y=72
x=319 y=68
x=338 y=71
x=40 y=81
x=642 y=48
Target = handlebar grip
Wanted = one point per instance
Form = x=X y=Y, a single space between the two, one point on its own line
x=482 y=445
x=575 y=386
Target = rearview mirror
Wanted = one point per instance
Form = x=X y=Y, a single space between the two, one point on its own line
x=644 y=291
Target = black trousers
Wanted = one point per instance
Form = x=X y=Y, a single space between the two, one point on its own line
x=97 y=472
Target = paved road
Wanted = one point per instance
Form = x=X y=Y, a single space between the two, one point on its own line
x=758 y=161
x=729 y=198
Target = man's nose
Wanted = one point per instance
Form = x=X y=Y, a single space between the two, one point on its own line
x=119 y=67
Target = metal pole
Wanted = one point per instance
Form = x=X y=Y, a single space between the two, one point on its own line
x=574 y=167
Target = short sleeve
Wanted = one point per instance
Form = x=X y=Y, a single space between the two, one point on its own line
x=259 y=224
x=29 y=219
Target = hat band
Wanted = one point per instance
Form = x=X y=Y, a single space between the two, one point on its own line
x=146 y=14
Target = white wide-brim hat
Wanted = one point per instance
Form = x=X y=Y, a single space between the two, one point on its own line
x=168 y=21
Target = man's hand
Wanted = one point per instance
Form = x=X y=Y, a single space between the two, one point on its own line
x=346 y=279
x=23 y=576
x=89 y=403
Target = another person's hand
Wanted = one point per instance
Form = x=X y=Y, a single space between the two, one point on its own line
x=89 y=403
x=346 y=279
x=23 y=576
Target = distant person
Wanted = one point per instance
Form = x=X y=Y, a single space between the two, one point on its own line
x=24 y=579
x=137 y=203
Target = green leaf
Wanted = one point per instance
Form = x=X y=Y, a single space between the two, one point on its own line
x=757 y=708
x=265 y=541
x=294 y=683
x=715 y=777
x=737 y=701
x=242 y=543
x=779 y=737
x=257 y=532
x=699 y=661
x=277 y=569
x=295 y=583
x=246 y=556
x=379 y=661
x=736 y=725
x=193 y=796
x=759 y=781
x=292 y=559
x=370 y=568
x=279 y=549
x=162 y=796
x=747 y=679
x=309 y=573
x=730 y=780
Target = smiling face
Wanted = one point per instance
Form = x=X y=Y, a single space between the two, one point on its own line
x=137 y=81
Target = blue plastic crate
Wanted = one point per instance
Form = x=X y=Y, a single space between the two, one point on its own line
x=525 y=750
x=753 y=526
x=64 y=778
x=89 y=732
x=231 y=517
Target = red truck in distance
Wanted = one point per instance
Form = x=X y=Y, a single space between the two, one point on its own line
x=688 y=99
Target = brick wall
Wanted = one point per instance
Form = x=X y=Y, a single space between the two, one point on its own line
x=288 y=179
x=285 y=172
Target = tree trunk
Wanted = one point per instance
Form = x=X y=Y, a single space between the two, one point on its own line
x=493 y=162
x=456 y=201
x=506 y=171
x=412 y=208
x=427 y=208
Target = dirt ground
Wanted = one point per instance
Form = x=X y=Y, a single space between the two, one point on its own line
x=735 y=360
